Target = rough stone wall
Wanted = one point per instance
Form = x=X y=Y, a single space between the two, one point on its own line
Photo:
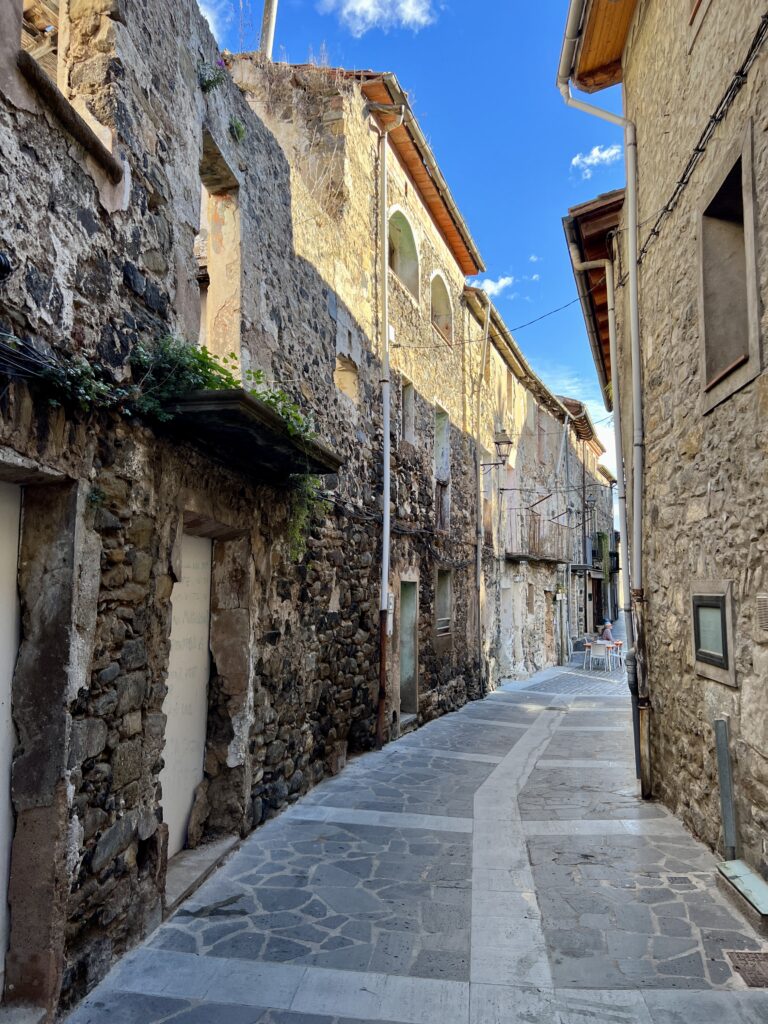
x=320 y=119
x=294 y=645
x=98 y=271
x=704 y=508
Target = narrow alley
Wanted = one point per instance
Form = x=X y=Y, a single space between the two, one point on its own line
x=495 y=866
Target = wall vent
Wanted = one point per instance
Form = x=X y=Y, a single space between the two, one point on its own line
x=762 y=612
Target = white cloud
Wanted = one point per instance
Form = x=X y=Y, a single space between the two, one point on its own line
x=535 y=277
x=360 y=16
x=218 y=14
x=598 y=156
x=533 y=258
x=493 y=288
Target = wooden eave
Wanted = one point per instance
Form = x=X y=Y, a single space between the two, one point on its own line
x=414 y=157
x=582 y=423
x=604 y=31
x=243 y=433
x=589 y=226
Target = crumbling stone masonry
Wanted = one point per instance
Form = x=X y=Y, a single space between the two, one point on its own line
x=142 y=197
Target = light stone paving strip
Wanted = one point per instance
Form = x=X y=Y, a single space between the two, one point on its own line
x=454 y=755
x=577 y=762
x=358 y=994
x=388 y=819
x=343 y=912
x=507 y=945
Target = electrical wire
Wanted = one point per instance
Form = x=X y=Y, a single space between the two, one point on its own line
x=726 y=102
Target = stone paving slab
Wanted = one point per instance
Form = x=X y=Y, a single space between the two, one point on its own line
x=495 y=867
x=634 y=912
x=354 y=896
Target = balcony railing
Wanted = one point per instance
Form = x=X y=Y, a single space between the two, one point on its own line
x=537 y=538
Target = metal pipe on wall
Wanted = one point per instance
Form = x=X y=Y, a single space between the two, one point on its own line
x=268 y=19
x=636 y=668
x=386 y=401
x=606 y=266
x=479 y=481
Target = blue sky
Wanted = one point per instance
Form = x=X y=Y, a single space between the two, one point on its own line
x=481 y=78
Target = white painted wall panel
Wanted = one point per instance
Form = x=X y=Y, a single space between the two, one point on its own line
x=186 y=703
x=10 y=507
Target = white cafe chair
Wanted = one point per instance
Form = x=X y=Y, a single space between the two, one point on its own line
x=600 y=651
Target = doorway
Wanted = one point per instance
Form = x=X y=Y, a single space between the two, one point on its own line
x=550 y=653
x=186 y=703
x=409 y=660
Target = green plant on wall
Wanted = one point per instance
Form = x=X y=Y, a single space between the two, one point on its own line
x=306 y=505
x=211 y=76
x=237 y=129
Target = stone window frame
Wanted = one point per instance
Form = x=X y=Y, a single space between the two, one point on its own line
x=97 y=140
x=738 y=378
x=444 y=633
x=407 y=423
x=720 y=589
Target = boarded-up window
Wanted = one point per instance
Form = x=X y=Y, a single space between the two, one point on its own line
x=442 y=446
x=442 y=315
x=409 y=412
x=724 y=269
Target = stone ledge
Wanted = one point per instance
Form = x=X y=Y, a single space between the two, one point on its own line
x=189 y=869
x=746 y=890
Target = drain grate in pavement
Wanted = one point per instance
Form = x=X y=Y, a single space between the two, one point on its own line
x=753 y=967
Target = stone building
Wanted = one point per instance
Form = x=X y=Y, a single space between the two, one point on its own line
x=694 y=81
x=189 y=612
x=321 y=116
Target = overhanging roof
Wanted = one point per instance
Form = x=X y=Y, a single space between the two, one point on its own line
x=416 y=156
x=588 y=227
x=604 y=29
x=243 y=433
x=582 y=422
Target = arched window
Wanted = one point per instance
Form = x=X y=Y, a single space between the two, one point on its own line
x=442 y=314
x=403 y=258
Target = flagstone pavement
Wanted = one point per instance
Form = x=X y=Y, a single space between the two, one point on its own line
x=496 y=866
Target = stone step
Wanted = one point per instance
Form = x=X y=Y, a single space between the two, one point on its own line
x=747 y=890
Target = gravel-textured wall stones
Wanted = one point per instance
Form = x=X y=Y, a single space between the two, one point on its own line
x=704 y=488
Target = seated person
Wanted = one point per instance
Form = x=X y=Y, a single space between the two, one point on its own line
x=607 y=633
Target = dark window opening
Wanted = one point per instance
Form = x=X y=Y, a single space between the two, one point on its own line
x=724 y=272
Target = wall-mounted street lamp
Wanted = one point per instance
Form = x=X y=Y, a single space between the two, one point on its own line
x=502 y=442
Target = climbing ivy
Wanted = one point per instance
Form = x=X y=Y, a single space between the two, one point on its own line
x=307 y=504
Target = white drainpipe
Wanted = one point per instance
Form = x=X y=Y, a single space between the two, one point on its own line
x=638 y=686
x=267 y=40
x=479 y=481
x=386 y=402
x=626 y=599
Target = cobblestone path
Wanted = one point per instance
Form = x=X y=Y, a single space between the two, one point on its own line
x=494 y=867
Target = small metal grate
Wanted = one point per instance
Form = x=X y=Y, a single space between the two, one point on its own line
x=753 y=967
x=762 y=611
